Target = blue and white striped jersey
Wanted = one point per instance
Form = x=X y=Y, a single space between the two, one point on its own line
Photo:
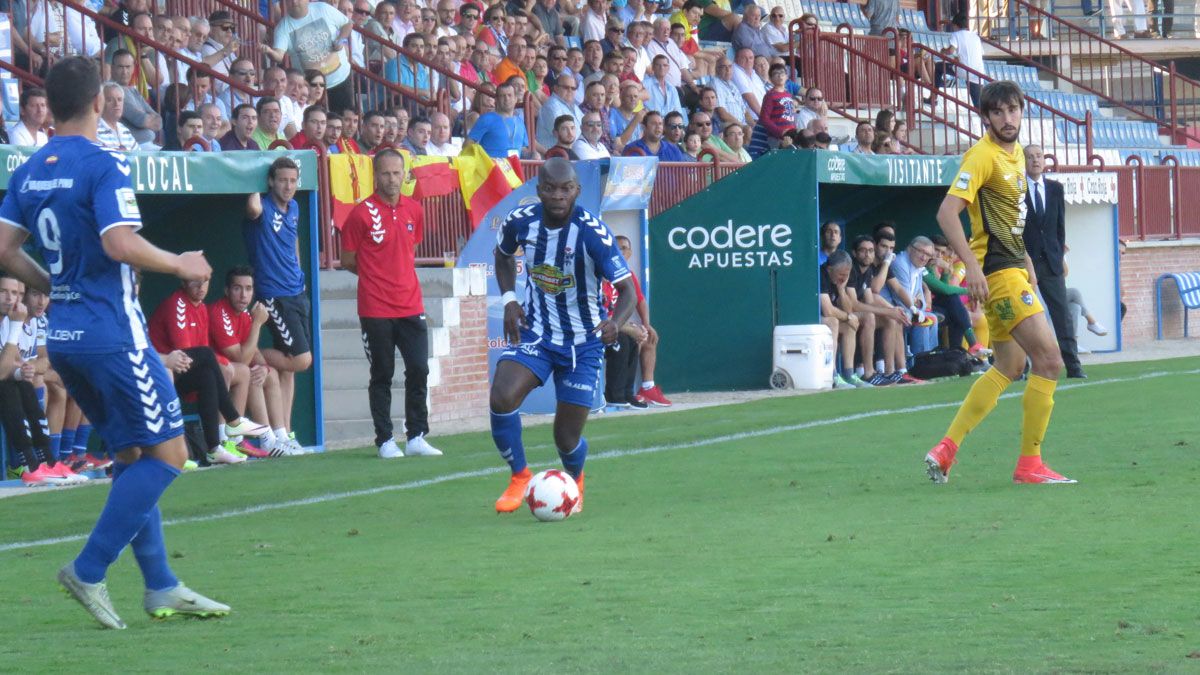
x=68 y=194
x=564 y=268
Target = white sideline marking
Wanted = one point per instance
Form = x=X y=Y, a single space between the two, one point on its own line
x=609 y=454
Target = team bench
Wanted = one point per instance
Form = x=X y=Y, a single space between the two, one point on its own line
x=1188 y=284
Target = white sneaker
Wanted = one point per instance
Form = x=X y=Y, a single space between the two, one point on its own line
x=181 y=600
x=244 y=426
x=298 y=449
x=419 y=447
x=1096 y=328
x=222 y=456
x=389 y=449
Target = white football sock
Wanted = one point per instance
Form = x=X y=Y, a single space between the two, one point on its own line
x=647 y=384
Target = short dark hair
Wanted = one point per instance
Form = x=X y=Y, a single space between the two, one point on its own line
x=331 y=116
x=120 y=52
x=370 y=115
x=187 y=116
x=776 y=67
x=649 y=114
x=882 y=225
x=504 y=84
x=960 y=20
x=71 y=86
x=561 y=120
x=884 y=236
x=830 y=224
x=420 y=120
x=193 y=73
x=31 y=92
x=939 y=240
x=280 y=164
x=238 y=271
x=998 y=93
x=266 y=100
x=860 y=240
x=386 y=152
x=237 y=111
x=312 y=110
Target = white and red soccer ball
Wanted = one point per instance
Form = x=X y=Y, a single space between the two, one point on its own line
x=552 y=495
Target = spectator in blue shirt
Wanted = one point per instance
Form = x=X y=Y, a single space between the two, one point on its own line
x=652 y=144
x=499 y=132
x=406 y=72
x=663 y=97
x=562 y=102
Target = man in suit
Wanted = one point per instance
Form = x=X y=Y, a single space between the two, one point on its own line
x=1045 y=240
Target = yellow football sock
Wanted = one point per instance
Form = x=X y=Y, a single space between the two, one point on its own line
x=978 y=403
x=1038 y=402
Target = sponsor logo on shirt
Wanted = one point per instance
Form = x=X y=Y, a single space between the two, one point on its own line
x=127 y=203
x=964 y=179
x=550 y=279
x=277 y=221
x=377 y=230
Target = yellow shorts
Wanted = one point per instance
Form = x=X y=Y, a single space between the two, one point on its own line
x=1011 y=300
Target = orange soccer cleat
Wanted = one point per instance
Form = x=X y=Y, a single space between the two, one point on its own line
x=514 y=494
x=578 y=508
x=939 y=460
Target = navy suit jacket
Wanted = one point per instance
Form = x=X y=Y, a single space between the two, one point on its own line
x=1046 y=234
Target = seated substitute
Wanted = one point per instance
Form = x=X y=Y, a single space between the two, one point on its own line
x=837 y=312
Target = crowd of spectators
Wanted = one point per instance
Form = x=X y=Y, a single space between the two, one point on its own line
x=502 y=68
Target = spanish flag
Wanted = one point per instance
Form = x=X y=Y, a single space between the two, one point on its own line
x=485 y=181
x=351 y=180
x=430 y=176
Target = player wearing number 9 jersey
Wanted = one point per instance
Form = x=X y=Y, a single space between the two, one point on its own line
x=77 y=200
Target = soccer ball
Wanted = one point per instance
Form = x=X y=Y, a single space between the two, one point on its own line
x=552 y=495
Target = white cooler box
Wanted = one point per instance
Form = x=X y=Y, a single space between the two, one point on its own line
x=803 y=357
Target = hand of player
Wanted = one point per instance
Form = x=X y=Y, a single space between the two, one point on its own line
x=177 y=361
x=607 y=330
x=651 y=335
x=28 y=371
x=258 y=314
x=514 y=321
x=902 y=316
x=191 y=266
x=977 y=285
x=258 y=375
x=852 y=319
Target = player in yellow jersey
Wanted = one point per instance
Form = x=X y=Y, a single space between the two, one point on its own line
x=991 y=186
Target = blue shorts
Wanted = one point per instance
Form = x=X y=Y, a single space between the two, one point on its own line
x=576 y=375
x=127 y=396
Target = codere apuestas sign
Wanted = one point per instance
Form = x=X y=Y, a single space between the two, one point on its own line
x=733 y=246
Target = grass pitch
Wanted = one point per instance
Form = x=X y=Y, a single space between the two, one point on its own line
x=765 y=536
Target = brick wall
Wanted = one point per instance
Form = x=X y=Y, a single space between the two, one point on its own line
x=462 y=392
x=1142 y=264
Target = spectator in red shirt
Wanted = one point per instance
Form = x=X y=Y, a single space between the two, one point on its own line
x=379 y=242
x=312 y=131
x=777 y=115
x=179 y=332
x=647 y=352
x=234 y=329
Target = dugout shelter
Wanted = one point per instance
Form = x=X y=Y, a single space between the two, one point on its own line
x=196 y=201
x=735 y=260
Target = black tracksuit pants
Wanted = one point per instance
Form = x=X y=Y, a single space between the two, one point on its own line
x=381 y=338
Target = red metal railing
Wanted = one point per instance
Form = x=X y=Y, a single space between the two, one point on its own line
x=1102 y=67
x=949 y=126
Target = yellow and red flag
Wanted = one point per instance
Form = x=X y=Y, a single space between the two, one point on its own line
x=484 y=180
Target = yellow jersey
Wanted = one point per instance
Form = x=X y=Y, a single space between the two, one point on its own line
x=992 y=182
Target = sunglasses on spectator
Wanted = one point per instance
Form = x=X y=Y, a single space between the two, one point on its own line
x=472 y=15
x=674 y=126
x=363 y=12
x=591 y=124
x=224 y=26
x=776 y=16
x=703 y=124
x=318 y=83
x=816 y=98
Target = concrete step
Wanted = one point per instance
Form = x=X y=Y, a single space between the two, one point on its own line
x=352 y=433
x=352 y=404
x=338 y=312
x=436 y=282
x=346 y=344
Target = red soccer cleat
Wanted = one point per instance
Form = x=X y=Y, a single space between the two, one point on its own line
x=98 y=463
x=1032 y=470
x=249 y=450
x=654 y=396
x=909 y=379
x=939 y=460
x=579 y=504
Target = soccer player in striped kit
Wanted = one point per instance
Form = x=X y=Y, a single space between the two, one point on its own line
x=560 y=328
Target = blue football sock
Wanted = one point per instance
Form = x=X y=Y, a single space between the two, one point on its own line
x=148 y=546
x=79 y=444
x=56 y=446
x=41 y=397
x=573 y=461
x=127 y=511
x=506 y=432
x=68 y=439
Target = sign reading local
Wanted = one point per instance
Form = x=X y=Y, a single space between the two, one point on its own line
x=189 y=172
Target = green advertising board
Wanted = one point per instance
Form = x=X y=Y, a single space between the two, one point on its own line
x=196 y=201
x=735 y=260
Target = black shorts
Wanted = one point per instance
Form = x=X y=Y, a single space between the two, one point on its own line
x=291 y=323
